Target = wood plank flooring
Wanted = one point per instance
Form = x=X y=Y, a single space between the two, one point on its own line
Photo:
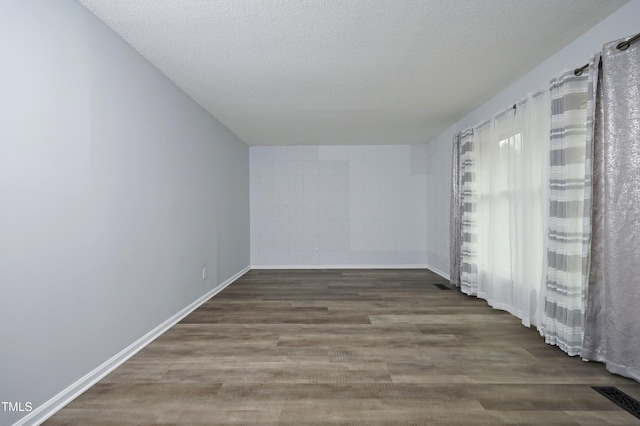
x=349 y=347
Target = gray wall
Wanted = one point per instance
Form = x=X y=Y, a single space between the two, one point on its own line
x=116 y=189
x=438 y=193
x=321 y=206
x=622 y=23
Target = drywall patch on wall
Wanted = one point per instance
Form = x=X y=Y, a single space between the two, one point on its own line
x=338 y=205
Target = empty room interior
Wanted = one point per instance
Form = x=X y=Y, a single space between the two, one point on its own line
x=394 y=212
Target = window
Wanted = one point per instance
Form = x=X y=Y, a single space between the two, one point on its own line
x=511 y=162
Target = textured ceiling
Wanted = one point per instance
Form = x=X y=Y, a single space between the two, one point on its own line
x=292 y=72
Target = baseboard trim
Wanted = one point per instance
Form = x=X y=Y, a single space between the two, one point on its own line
x=439 y=272
x=55 y=404
x=408 y=266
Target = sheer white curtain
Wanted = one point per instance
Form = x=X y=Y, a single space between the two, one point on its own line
x=511 y=169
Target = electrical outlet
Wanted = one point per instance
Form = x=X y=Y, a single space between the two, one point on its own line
x=204 y=273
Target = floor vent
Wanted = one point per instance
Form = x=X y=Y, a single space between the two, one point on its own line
x=442 y=286
x=620 y=398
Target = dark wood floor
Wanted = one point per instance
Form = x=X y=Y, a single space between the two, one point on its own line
x=356 y=347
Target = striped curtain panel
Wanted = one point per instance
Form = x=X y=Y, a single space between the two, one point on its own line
x=468 y=266
x=570 y=189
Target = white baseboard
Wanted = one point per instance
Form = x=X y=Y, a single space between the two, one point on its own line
x=410 y=266
x=439 y=272
x=55 y=404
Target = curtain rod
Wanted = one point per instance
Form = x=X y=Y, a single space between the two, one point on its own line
x=623 y=45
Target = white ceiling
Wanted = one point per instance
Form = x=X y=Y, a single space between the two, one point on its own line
x=293 y=72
